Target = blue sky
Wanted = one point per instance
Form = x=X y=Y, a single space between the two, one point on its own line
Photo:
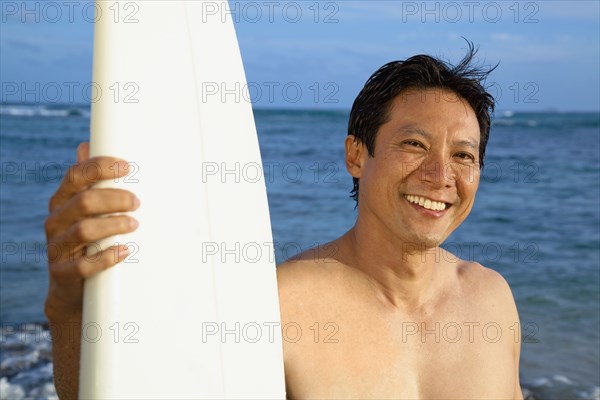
x=548 y=50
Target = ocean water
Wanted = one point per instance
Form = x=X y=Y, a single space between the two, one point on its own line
x=536 y=220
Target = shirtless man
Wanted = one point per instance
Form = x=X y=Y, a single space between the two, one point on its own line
x=386 y=313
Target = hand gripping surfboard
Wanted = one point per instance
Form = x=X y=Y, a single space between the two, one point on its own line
x=193 y=312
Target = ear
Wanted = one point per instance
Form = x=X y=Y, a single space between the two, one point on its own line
x=355 y=156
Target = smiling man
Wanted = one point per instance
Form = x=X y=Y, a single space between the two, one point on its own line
x=400 y=317
x=385 y=312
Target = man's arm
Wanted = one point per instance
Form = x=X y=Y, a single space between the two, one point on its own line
x=70 y=227
x=511 y=317
x=65 y=356
x=508 y=316
x=518 y=393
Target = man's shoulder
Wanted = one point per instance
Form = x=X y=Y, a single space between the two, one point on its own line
x=486 y=285
x=308 y=266
x=315 y=277
x=474 y=273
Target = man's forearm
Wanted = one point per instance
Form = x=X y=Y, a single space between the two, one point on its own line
x=66 y=347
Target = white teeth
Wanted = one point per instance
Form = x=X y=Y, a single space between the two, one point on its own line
x=426 y=203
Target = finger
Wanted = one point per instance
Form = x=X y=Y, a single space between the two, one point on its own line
x=71 y=243
x=81 y=175
x=90 y=203
x=86 y=266
x=83 y=151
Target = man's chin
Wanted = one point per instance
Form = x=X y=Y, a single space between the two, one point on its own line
x=423 y=242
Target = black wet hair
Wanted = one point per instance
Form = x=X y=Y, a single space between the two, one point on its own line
x=372 y=105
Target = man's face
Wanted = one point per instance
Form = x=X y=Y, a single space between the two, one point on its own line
x=421 y=184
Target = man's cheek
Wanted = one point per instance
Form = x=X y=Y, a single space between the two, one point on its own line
x=408 y=167
x=472 y=175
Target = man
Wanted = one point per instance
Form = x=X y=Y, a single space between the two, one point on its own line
x=386 y=313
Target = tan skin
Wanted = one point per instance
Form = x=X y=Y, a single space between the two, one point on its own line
x=379 y=307
x=386 y=277
x=70 y=226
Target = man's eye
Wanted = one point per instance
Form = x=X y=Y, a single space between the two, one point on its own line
x=466 y=156
x=414 y=143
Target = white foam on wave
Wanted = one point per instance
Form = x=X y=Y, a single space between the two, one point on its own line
x=53 y=113
x=46 y=391
x=17 y=111
x=540 y=382
x=17 y=392
x=26 y=362
x=19 y=362
x=43 y=111
x=8 y=391
x=559 y=383
x=593 y=394
x=562 y=379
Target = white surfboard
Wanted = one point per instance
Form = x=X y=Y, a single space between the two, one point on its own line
x=193 y=312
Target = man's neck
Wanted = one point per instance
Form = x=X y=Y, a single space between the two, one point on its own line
x=403 y=273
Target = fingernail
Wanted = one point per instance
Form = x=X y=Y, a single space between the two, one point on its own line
x=133 y=223
x=123 y=251
x=136 y=202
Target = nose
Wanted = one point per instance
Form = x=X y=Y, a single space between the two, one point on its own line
x=437 y=171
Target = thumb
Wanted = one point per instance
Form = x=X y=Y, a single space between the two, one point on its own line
x=83 y=151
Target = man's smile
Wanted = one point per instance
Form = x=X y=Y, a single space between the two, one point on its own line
x=433 y=207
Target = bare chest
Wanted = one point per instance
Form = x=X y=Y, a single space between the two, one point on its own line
x=350 y=351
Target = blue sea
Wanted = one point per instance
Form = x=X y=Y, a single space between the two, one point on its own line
x=536 y=220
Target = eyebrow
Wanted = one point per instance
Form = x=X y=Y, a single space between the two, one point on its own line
x=414 y=130
x=467 y=142
x=418 y=131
